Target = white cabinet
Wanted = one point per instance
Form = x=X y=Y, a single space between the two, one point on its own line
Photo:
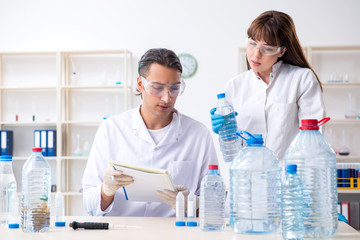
x=42 y=86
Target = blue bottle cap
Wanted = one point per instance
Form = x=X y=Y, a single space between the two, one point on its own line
x=255 y=141
x=13 y=225
x=221 y=95
x=180 y=224
x=59 y=224
x=5 y=158
x=291 y=168
x=191 y=224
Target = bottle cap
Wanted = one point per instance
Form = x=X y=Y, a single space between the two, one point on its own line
x=180 y=224
x=5 y=158
x=312 y=124
x=37 y=149
x=255 y=140
x=60 y=224
x=291 y=168
x=213 y=166
x=13 y=225
x=221 y=95
x=191 y=224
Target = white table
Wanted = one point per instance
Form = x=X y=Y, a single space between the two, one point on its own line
x=129 y=228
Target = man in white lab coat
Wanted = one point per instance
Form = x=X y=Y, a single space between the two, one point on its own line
x=152 y=135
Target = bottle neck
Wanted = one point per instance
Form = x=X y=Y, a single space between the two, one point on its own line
x=213 y=172
x=6 y=167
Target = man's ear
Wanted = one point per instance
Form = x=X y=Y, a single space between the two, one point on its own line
x=139 y=84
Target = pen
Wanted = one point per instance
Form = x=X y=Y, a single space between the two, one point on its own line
x=123 y=188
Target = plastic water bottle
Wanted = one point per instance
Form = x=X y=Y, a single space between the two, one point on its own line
x=13 y=218
x=292 y=205
x=7 y=188
x=35 y=201
x=180 y=210
x=60 y=210
x=316 y=162
x=255 y=189
x=229 y=142
x=212 y=201
x=191 y=211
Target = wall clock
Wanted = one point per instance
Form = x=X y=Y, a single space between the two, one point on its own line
x=189 y=65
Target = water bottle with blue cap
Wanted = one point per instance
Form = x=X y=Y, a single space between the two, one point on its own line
x=229 y=141
x=255 y=188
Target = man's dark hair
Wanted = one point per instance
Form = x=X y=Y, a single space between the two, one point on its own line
x=162 y=56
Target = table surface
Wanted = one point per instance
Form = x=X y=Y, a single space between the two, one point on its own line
x=148 y=228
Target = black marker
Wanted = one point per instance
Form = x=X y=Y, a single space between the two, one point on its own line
x=89 y=225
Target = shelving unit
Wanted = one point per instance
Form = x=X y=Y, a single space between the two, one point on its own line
x=41 y=84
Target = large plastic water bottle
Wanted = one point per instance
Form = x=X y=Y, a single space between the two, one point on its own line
x=229 y=141
x=255 y=189
x=7 y=188
x=35 y=200
x=316 y=162
x=212 y=201
x=292 y=205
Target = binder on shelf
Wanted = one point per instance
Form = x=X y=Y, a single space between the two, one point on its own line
x=51 y=143
x=37 y=138
x=345 y=210
x=6 y=142
x=43 y=142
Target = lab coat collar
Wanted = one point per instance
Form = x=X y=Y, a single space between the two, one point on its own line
x=139 y=128
x=275 y=69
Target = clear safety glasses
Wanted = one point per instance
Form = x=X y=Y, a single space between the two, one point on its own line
x=265 y=50
x=160 y=89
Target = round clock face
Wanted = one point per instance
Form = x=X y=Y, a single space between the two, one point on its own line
x=189 y=65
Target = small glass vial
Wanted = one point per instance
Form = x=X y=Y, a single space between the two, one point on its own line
x=13 y=219
x=60 y=211
x=180 y=210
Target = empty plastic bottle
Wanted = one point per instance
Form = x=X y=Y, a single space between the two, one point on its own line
x=255 y=189
x=35 y=201
x=212 y=201
x=180 y=210
x=229 y=141
x=60 y=210
x=191 y=211
x=292 y=205
x=7 y=187
x=316 y=164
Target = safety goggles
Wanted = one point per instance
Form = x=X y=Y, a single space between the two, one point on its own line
x=160 y=89
x=265 y=50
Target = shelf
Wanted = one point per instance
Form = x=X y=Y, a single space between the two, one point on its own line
x=25 y=158
x=88 y=123
x=72 y=193
x=96 y=87
x=342 y=85
x=343 y=121
x=346 y=159
x=40 y=88
x=351 y=191
x=29 y=123
x=82 y=158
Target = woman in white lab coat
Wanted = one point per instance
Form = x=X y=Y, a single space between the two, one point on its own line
x=279 y=89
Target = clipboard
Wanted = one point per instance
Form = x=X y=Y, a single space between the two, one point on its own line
x=146 y=182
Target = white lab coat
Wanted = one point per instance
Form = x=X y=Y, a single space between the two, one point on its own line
x=275 y=110
x=185 y=151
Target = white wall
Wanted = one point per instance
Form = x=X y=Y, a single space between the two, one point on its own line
x=210 y=30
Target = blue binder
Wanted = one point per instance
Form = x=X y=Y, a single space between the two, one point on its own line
x=37 y=138
x=43 y=142
x=51 y=144
x=6 y=142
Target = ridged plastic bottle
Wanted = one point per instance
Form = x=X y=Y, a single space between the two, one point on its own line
x=212 y=201
x=229 y=142
x=316 y=163
x=255 y=189
x=35 y=200
x=7 y=188
x=292 y=205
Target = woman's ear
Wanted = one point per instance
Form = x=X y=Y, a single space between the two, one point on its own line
x=282 y=52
